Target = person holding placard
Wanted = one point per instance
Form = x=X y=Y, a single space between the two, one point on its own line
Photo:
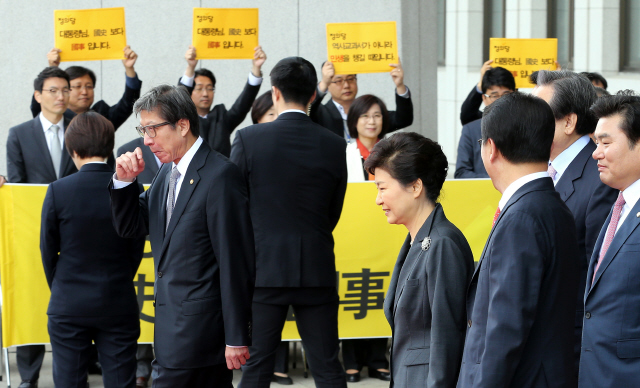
x=83 y=82
x=344 y=88
x=217 y=124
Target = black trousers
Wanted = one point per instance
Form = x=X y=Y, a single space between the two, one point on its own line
x=370 y=352
x=215 y=376
x=115 y=339
x=29 y=359
x=318 y=328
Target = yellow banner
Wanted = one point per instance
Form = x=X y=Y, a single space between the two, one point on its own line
x=523 y=56
x=356 y=48
x=225 y=33
x=366 y=251
x=90 y=34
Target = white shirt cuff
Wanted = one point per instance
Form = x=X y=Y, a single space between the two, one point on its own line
x=187 y=81
x=236 y=347
x=120 y=184
x=405 y=94
x=253 y=80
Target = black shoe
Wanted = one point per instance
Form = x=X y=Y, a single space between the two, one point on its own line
x=353 y=377
x=384 y=376
x=282 y=380
x=94 y=368
x=28 y=384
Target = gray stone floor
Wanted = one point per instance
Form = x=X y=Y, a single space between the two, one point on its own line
x=46 y=380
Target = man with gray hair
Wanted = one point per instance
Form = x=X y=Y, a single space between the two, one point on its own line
x=573 y=170
x=196 y=214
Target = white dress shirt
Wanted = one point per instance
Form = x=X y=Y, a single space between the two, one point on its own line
x=562 y=161
x=48 y=133
x=292 y=110
x=631 y=195
x=518 y=183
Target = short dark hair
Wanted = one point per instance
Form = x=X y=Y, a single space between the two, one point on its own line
x=498 y=76
x=601 y=92
x=625 y=103
x=205 y=73
x=261 y=106
x=296 y=79
x=79 y=71
x=522 y=127
x=360 y=106
x=173 y=103
x=409 y=156
x=572 y=93
x=90 y=134
x=596 y=77
x=48 y=72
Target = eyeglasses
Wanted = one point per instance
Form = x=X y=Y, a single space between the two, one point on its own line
x=80 y=87
x=366 y=117
x=352 y=79
x=55 y=91
x=494 y=97
x=150 y=130
x=209 y=89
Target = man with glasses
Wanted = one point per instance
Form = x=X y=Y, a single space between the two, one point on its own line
x=36 y=154
x=344 y=89
x=83 y=82
x=217 y=124
x=496 y=82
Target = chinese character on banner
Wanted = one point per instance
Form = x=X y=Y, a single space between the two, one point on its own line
x=360 y=293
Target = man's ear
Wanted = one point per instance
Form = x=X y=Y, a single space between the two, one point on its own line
x=38 y=96
x=570 y=121
x=276 y=94
x=313 y=97
x=184 y=126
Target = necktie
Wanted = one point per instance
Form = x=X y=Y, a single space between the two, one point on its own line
x=552 y=172
x=611 y=231
x=56 y=149
x=495 y=216
x=175 y=174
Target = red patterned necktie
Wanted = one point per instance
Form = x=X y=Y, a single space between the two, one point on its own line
x=611 y=231
x=495 y=216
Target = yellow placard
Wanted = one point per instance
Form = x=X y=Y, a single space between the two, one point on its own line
x=90 y=34
x=523 y=56
x=225 y=33
x=356 y=48
x=366 y=248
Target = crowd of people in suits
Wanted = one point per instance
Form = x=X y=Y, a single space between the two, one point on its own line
x=242 y=232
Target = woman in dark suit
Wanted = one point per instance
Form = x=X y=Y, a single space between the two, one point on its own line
x=89 y=269
x=425 y=303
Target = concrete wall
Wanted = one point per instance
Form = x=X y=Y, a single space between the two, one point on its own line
x=160 y=32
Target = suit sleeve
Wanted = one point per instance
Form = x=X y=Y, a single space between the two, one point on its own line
x=449 y=271
x=403 y=115
x=335 y=208
x=49 y=236
x=16 y=170
x=515 y=274
x=120 y=112
x=189 y=88
x=231 y=236
x=470 y=110
x=597 y=212
x=129 y=211
x=237 y=156
x=464 y=162
x=35 y=106
x=241 y=107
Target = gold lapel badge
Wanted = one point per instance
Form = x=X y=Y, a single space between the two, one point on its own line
x=191 y=182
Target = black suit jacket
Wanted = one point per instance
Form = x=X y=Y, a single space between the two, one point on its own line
x=296 y=172
x=220 y=122
x=329 y=117
x=205 y=265
x=28 y=156
x=521 y=301
x=470 y=110
x=89 y=268
x=469 y=162
x=150 y=165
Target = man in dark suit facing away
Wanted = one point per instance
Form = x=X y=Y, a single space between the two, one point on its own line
x=36 y=154
x=573 y=170
x=296 y=173
x=521 y=300
x=197 y=217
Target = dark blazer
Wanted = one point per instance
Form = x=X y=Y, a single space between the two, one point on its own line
x=329 y=117
x=117 y=114
x=470 y=110
x=220 y=122
x=205 y=268
x=425 y=305
x=521 y=301
x=589 y=201
x=150 y=165
x=28 y=156
x=469 y=163
x=296 y=173
x=89 y=268
x=611 y=334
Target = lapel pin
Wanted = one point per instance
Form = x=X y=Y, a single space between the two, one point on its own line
x=426 y=243
x=191 y=182
x=638 y=215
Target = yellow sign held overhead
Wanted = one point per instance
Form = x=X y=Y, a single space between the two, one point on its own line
x=522 y=57
x=225 y=33
x=356 y=48
x=90 y=34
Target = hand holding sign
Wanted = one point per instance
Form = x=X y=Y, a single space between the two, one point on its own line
x=397 y=75
x=53 y=57
x=129 y=60
x=259 y=57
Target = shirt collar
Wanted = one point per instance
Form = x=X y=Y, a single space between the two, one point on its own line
x=631 y=194
x=46 y=124
x=293 y=110
x=518 y=183
x=562 y=161
x=340 y=109
x=184 y=162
